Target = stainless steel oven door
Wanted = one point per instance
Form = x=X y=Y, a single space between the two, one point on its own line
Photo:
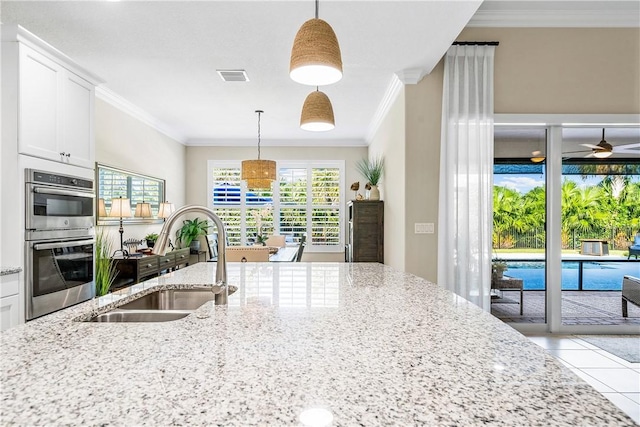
x=59 y=274
x=56 y=208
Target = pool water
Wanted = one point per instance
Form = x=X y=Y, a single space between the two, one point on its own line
x=596 y=276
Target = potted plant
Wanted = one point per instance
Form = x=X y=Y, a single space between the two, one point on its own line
x=105 y=266
x=498 y=267
x=190 y=231
x=151 y=239
x=372 y=169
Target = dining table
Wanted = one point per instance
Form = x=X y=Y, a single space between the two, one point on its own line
x=285 y=254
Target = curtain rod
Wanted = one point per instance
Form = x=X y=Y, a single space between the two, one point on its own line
x=476 y=43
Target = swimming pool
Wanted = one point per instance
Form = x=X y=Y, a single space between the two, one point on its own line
x=596 y=276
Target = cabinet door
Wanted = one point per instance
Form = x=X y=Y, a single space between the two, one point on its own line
x=9 y=312
x=40 y=102
x=77 y=118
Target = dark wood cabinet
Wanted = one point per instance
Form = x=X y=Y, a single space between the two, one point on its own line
x=365 y=240
x=136 y=269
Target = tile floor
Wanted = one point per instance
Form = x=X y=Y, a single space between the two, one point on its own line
x=617 y=379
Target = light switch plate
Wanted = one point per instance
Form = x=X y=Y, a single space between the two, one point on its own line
x=424 y=228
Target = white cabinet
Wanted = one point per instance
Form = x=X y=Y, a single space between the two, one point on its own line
x=56 y=111
x=10 y=312
x=54 y=100
x=11 y=307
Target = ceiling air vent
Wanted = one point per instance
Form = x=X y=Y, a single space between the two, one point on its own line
x=233 y=75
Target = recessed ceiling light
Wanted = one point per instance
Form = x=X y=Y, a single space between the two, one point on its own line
x=233 y=75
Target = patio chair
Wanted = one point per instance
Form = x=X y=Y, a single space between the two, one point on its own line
x=630 y=292
x=635 y=248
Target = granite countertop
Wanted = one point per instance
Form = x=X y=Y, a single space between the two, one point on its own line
x=371 y=345
x=4 y=271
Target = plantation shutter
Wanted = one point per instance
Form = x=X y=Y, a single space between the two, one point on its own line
x=226 y=201
x=325 y=212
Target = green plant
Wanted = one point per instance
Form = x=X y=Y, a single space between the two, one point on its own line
x=498 y=267
x=151 y=237
x=191 y=229
x=371 y=169
x=106 y=271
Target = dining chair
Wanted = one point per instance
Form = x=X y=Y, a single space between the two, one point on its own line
x=247 y=254
x=303 y=243
x=276 y=241
x=212 y=246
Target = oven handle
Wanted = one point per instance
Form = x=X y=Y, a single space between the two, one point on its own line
x=42 y=246
x=44 y=190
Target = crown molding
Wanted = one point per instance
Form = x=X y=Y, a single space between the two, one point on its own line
x=204 y=142
x=392 y=92
x=565 y=18
x=17 y=33
x=410 y=76
x=138 y=113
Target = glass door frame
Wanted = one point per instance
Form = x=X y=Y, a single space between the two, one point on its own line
x=554 y=123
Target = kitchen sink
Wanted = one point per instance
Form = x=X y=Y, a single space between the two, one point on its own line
x=140 y=316
x=161 y=306
x=171 y=299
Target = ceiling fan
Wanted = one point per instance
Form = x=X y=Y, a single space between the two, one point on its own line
x=601 y=151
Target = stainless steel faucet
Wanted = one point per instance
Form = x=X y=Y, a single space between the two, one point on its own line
x=160 y=248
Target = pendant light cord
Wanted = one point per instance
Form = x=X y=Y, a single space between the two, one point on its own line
x=317 y=6
x=259 y=112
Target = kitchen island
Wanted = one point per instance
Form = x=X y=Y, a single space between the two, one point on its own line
x=364 y=343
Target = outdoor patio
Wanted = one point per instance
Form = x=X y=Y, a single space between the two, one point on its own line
x=578 y=308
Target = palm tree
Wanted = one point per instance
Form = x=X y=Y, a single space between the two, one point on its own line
x=580 y=209
x=506 y=209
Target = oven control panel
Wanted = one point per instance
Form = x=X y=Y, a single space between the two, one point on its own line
x=56 y=179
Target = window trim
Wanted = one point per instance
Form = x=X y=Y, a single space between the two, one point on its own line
x=306 y=164
x=112 y=221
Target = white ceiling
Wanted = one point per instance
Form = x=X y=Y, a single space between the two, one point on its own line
x=162 y=56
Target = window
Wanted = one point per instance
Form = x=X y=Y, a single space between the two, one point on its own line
x=114 y=183
x=307 y=199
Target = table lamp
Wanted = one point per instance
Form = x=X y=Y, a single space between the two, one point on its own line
x=143 y=210
x=120 y=208
x=102 y=210
x=166 y=209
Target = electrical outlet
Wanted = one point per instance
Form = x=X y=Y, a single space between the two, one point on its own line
x=424 y=228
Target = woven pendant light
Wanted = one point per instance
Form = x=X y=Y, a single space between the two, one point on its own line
x=259 y=174
x=317 y=113
x=315 y=55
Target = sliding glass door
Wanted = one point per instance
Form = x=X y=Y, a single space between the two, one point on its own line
x=600 y=218
x=566 y=211
x=519 y=240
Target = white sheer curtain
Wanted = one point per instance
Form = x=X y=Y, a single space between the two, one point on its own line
x=466 y=174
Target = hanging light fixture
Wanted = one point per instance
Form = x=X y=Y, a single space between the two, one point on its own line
x=259 y=174
x=317 y=113
x=537 y=156
x=315 y=55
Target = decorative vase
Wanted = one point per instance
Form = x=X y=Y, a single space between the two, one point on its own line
x=374 y=193
x=150 y=243
x=195 y=246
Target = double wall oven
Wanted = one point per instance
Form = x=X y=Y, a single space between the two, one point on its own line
x=60 y=241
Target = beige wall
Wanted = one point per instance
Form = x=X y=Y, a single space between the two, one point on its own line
x=423 y=107
x=389 y=143
x=545 y=70
x=196 y=172
x=125 y=142
x=564 y=70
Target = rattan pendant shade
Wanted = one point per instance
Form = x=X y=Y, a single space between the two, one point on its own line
x=317 y=113
x=259 y=174
x=315 y=55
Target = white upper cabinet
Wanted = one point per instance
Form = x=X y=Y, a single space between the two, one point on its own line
x=77 y=115
x=54 y=100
